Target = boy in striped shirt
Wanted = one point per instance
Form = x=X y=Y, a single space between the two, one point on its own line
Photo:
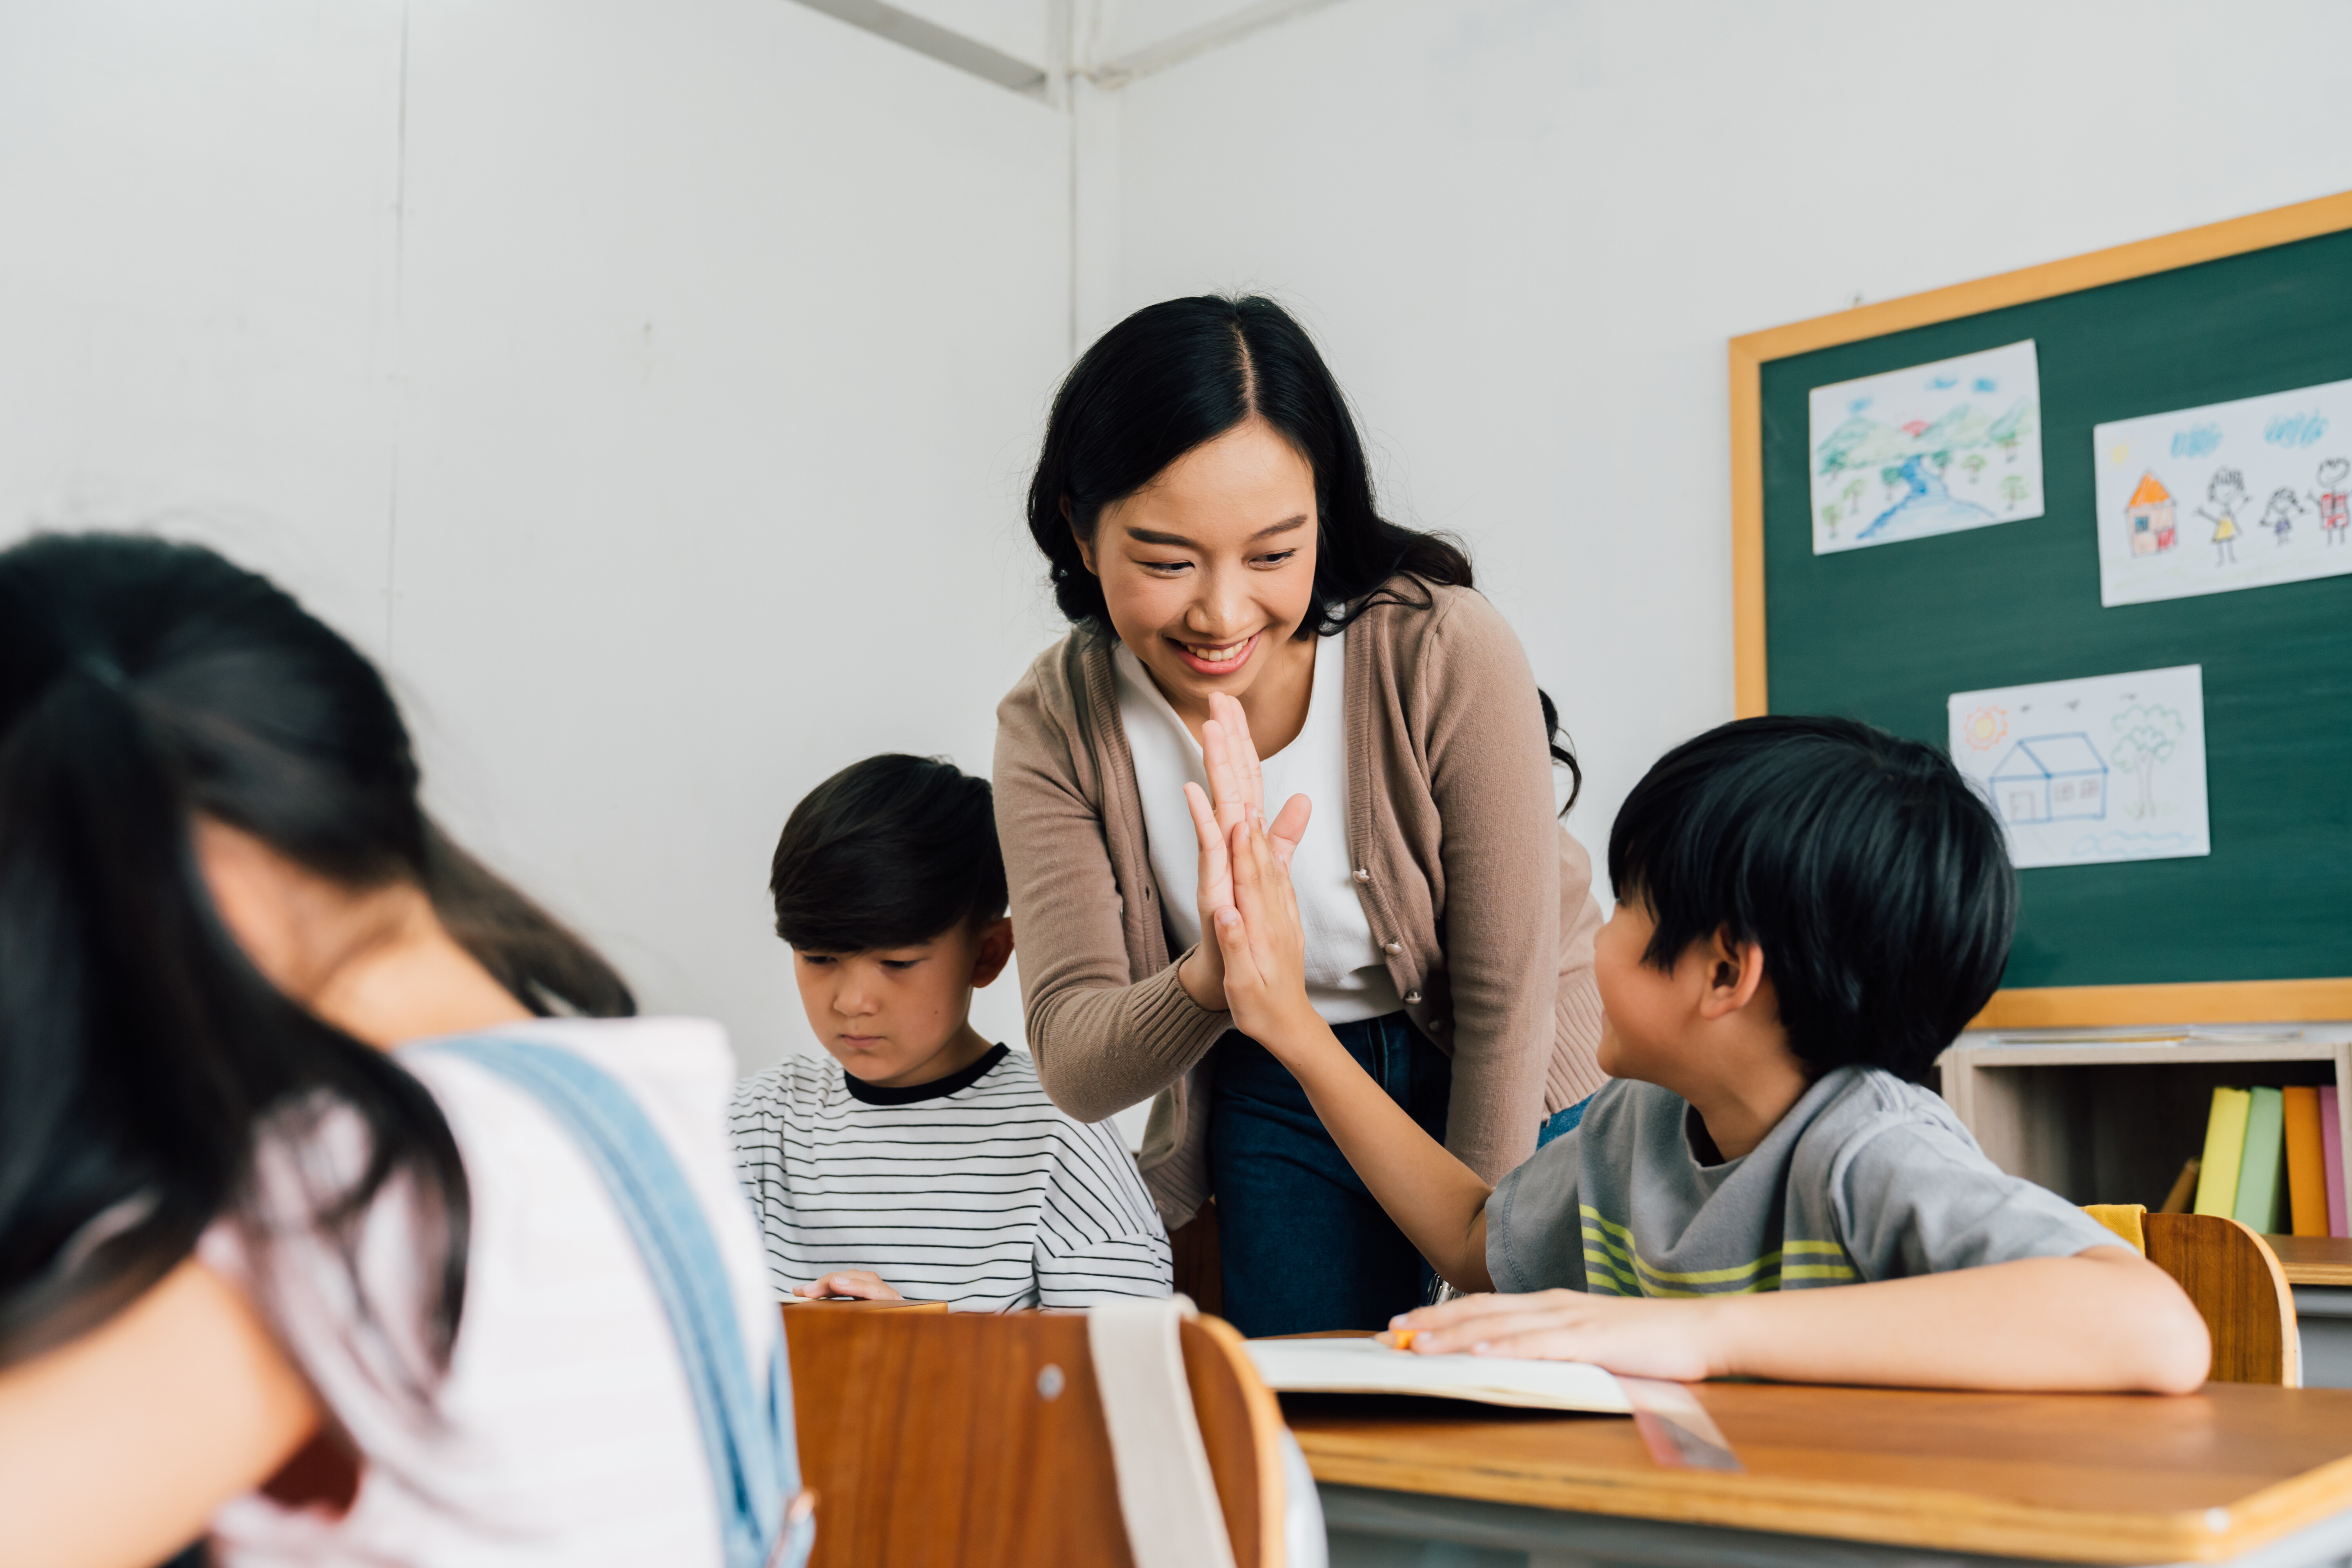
x=922 y=1162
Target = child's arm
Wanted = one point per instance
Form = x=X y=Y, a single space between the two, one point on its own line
x=119 y=1446
x=2106 y=1319
x=1437 y=1201
x=1098 y=1237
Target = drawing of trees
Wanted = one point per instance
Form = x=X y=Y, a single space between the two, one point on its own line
x=2147 y=735
x=2007 y=430
x=1974 y=464
x=2012 y=488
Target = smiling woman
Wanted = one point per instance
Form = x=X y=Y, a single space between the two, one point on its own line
x=1204 y=504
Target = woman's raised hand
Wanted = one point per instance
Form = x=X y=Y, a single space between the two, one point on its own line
x=1236 y=789
x=1237 y=781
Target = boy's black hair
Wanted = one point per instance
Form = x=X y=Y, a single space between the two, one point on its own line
x=887 y=852
x=1871 y=873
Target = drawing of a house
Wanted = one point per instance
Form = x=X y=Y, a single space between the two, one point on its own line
x=2050 y=778
x=2152 y=515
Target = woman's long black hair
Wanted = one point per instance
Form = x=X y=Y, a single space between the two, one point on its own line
x=1184 y=372
x=142 y=683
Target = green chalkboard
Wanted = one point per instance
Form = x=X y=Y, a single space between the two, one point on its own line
x=1886 y=634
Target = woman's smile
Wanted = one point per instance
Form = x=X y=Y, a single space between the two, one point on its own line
x=1222 y=658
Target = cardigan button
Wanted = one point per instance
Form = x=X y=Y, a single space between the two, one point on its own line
x=1363 y=874
x=1394 y=946
x=1413 y=998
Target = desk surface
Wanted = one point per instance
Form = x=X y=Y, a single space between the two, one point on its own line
x=2081 y=1478
x=2313 y=1259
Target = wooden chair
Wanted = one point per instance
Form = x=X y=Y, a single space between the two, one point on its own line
x=2234 y=1278
x=970 y=1439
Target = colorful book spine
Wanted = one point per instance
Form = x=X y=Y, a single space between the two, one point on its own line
x=2331 y=1153
x=2257 y=1204
x=2306 y=1167
x=2225 y=1146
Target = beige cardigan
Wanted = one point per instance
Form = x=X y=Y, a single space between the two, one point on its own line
x=1482 y=900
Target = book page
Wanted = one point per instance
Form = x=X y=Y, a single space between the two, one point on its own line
x=1367 y=1366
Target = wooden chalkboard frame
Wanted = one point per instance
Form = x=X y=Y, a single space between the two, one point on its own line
x=2022 y=1008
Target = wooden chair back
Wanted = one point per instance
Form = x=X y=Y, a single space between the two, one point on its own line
x=974 y=1440
x=2235 y=1279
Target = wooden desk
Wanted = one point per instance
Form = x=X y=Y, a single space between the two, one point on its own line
x=2213 y=1477
x=2313 y=1259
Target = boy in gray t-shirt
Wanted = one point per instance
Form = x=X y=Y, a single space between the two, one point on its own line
x=1865 y=1177
x=1809 y=910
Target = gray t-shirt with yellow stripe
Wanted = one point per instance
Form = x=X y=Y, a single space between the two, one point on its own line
x=1866 y=1177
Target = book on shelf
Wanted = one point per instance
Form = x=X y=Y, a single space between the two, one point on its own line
x=2306 y=1168
x=2225 y=1145
x=2331 y=1154
x=2273 y=1160
x=2257 y=1204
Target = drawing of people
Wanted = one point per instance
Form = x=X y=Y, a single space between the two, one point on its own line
x=2279 y=515
x=2335 y=500
x=2227 y=493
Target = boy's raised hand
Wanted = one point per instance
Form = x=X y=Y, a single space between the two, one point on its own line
x=1263 y=948
x=1236 y=789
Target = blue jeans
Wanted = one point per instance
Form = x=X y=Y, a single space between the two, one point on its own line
x=1304 y=1245
x=1562 y=1121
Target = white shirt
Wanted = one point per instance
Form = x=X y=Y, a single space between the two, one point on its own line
x=1347 y=978
x=566 y=1434
x=975 y=1190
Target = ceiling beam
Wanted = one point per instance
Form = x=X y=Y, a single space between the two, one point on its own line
x=928 y=37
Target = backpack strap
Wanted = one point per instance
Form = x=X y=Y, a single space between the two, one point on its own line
x=747 y=1430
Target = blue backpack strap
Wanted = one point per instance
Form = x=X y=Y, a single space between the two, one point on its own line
x=747 y=1431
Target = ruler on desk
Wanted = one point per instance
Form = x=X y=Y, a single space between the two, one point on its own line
x=1676 y=1427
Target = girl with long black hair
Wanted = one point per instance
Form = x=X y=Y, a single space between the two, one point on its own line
x=260 y=1279
x=1204 y=506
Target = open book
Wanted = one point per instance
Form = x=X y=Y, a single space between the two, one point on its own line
x=1367 y=1367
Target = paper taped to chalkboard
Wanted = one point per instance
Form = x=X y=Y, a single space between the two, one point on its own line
x=2082 y=772
x=2245 y=494
x=1932 y=448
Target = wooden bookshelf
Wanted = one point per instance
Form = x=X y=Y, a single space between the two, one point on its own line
x=2313 y=1259
x=2112 y=1123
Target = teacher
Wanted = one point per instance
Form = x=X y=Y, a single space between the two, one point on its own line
x=1204 y=504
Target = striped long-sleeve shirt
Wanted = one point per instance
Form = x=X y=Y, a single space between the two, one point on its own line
x=973 y=1190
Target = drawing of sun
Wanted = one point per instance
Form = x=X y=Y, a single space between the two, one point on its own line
x=1984 y=727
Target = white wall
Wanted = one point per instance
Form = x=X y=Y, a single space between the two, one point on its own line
x=1523 y=230
x=651 y=385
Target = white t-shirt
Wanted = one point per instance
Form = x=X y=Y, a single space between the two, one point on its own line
x=1347 y=978
x=564 y=1432
x=975 y=1190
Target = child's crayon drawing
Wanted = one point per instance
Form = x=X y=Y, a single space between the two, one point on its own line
x=2086 y=771
x=1932 y=450
x=2234 y=495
